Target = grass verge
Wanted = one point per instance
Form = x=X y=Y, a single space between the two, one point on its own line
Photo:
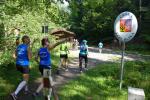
x=102 y=82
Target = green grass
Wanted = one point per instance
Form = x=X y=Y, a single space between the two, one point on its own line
x=138 y=49
x=102 y=82
x=143 y=49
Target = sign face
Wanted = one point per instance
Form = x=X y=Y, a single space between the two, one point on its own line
x=125 y=26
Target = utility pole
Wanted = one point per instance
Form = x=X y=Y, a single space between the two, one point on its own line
x=140 y=3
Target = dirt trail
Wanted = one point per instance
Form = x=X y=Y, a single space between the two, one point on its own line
x=94 y=58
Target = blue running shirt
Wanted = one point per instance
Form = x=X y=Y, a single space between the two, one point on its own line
x=45 y=58
x=83 y=49
x=22 y=55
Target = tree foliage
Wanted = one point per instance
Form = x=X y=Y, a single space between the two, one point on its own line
x=28 y=16
x=94 y=19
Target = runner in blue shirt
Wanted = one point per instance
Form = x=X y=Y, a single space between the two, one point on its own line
x=22 y=56
x=45 y=68
x=83 y=54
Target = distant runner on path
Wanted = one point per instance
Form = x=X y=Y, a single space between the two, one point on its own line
x=63 y=56
x=22 y=56
x=83 y=54
x=100 y=46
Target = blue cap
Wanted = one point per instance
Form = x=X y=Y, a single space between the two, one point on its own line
x=84 y=41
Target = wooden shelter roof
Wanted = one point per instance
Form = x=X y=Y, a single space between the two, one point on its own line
x=62 y=33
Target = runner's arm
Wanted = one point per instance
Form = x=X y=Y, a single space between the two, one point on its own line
x=15 y=54
x=67 y=49
x=36 y=57
x=87 y=50
x=50 y=47
x=29 y=53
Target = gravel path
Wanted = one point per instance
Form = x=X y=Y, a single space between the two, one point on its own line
x=94 y=58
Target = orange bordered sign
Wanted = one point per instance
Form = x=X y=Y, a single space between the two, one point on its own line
x=125 y=26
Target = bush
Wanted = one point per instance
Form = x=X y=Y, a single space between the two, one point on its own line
x=136 y=48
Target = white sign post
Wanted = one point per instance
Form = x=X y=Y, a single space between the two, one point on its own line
x=125 y=28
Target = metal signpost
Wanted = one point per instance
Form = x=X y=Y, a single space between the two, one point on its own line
x=122 y=64
x=125 y=28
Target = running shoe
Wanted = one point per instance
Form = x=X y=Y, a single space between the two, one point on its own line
x=14 y=97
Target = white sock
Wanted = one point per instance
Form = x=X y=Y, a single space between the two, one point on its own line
x=26 y=87
x=51 y=80
x=39 y=88
x=50 y=92
x=20 y=86
x=48 y=97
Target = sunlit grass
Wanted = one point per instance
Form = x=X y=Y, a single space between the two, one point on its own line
x=102 y=82
x=5 y=86
x=138 y=49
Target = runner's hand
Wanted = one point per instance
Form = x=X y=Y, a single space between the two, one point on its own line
x=14 y=56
